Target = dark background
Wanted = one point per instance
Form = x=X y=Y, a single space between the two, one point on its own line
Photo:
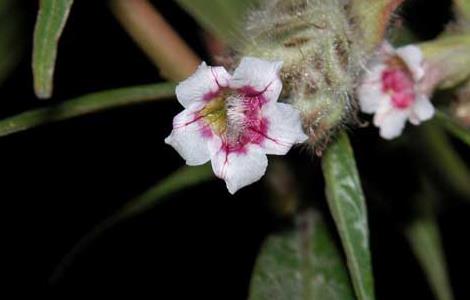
x=59 y=180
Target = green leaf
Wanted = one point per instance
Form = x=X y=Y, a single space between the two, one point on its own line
x=86 y=104
x=348 y=207
x=183 y=178
x=50 y=23
x=301 y=264
x=424 y=238
x=453 y=127
x=220 y=17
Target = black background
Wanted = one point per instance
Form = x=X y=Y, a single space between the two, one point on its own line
x=59 y=180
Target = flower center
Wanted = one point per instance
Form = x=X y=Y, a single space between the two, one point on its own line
x=215 y=115
x=398 y=82
x=400 y=87
x=236 y=118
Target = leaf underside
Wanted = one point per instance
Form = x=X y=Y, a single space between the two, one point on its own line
x=50 y=23
x=301 y=264
x=347 y=205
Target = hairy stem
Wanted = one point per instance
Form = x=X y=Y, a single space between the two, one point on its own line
x=156 y=37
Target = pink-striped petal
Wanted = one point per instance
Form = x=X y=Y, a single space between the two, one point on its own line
x=203 y=85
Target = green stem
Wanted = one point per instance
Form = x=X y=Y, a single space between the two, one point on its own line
x=446 y=161
x=86 y=104
x=425 y=241
x=453 y=127
x=181 y=179
x=168 y=51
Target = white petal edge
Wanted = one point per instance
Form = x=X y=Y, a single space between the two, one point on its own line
x=260 y=75
x=423 y=110
x=204 y=81
x=413 y=57
x=392 y=124
x=284 y=128
x=370 y=92
x=240 y=169
x=187 y=138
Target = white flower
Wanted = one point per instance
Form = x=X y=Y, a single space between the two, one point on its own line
x=234 y=120
x=390 y=89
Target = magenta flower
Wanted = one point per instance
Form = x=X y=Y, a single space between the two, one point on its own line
x=390 y=90
x=234 y=120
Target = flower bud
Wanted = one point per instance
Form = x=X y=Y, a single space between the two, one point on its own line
x=323 y=50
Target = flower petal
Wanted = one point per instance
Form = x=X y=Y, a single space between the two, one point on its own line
x=370 y=92
x=284 y=128
x=202 y=85
x=422 y=110
x=257 y=75
x=190 y=136
x=413 y=57
x=240 y=169
x=392 y=125
x=391 y=121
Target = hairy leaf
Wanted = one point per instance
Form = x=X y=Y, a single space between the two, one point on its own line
x=301 y=264
x=348 y=207
x=50 y=23
x=86 y=104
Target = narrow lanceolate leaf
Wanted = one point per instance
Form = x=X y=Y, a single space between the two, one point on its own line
x=348 y=207
x=372 y=19
x=301 y=264
x=183 y=178
x=453 y=127
x=220 y=17
x=50 y=23
x=425 y=241
x=87 y=104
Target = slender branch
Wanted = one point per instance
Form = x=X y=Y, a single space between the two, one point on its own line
x=440 y=154
x=86 y=104
x=156 y=37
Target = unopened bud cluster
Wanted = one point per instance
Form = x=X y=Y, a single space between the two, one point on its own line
x=322 y=59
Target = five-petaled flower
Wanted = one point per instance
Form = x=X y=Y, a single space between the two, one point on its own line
x=390 y=89
x=234 y=120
